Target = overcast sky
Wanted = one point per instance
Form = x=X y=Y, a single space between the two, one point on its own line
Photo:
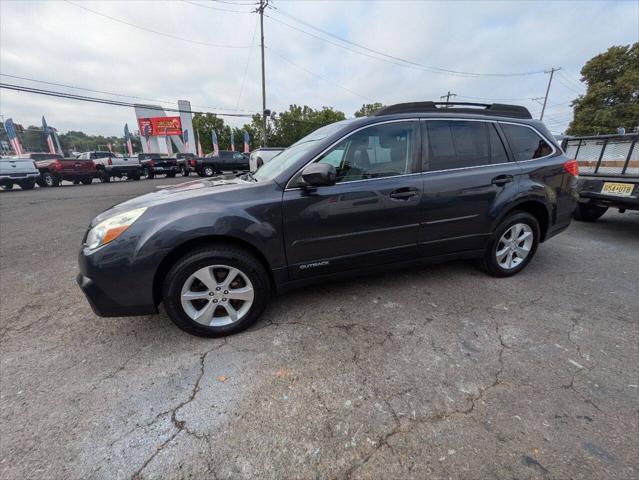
x=57 y=41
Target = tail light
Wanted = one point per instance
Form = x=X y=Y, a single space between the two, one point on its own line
x=110 y=162
x=193 y=163
x=572 y=168
x=151 y=163
x=57 y=165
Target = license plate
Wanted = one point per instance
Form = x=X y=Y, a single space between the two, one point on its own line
x=621 y=189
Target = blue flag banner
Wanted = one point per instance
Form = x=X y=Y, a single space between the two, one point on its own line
x=246 y=142
x=216 y=147
x=47 y=134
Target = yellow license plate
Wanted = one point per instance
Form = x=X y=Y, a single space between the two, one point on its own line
x=622 y=189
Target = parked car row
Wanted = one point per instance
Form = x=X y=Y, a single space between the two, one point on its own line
x=49 y=170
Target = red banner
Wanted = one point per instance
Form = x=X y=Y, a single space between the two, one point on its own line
x=161 y=126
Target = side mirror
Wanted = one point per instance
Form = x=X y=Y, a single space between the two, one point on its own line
x=319 y=175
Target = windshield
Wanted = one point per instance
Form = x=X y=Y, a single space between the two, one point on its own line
x=292 y=154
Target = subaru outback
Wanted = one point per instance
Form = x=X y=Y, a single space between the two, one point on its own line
x=415 y=182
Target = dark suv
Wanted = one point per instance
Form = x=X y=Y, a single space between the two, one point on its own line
x=417 y=182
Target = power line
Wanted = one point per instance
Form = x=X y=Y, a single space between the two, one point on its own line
x=105 y=101
x=248 y=61
x=403 y=61
x=518 y=99
x=112 y=93
x=217 y=8
x=157 y=32
x=569 y=87
x=318 y=75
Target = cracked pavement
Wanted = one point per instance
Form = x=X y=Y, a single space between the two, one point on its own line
x=433 y=372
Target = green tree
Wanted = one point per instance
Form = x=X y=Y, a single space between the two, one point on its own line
x=298 y=122
x=204 y=124
x=612 y=97
x=368 y=108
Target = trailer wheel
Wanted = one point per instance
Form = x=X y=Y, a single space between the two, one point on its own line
x=589 y=213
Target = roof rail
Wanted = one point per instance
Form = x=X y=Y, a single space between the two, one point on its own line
x=493 y=109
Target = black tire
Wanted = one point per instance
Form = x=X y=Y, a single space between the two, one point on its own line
x=104 y=176
x=185 y=172
x=135 y=176
x=27 y=184
x=215 y=255
x=40 y=182
x=7 y=186
x=86 y=181
x=588 y=213
x=76 y=181
x=50 y=180
x=208 y=171
x=149 y=174
x=489 y=261
x=170 y=175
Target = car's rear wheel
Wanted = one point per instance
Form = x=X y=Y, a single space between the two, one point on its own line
x=185 y=172
x=588 y=213
x=50 y=180
x=208 y=171
x=150 y=174
x=216 y=291
x=104 y=176
x=28 y=184
x=170 y=175
x=134 y=176
x=512 y=246
x=86 y=180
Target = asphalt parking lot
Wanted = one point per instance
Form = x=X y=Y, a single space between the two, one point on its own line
x=434 y=372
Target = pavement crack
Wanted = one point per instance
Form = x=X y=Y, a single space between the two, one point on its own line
x=179 y=425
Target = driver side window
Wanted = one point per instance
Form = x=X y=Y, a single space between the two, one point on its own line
x=378 y=151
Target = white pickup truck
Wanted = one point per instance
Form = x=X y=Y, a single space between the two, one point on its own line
x=109 y=165
x=20 y=171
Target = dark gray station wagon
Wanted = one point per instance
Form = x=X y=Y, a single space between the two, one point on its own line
x=415 y=182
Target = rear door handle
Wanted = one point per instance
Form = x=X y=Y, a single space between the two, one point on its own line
x=403 y=193
x=502 y=179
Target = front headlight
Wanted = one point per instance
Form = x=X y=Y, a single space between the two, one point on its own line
x=110 y=229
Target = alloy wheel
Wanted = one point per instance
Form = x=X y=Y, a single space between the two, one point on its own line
x=217 y=295
x=514 y=246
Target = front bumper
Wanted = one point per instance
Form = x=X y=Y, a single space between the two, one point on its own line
x=104 y=306
x=114 y=285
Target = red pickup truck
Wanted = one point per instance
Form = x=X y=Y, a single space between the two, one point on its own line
x=55 y=168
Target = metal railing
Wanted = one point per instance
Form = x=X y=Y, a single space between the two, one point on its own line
x=605 y=154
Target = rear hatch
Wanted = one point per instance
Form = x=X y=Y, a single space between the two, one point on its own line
x=79 y=165
x=164 y=162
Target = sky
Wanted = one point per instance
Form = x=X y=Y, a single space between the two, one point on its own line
x=208 y=52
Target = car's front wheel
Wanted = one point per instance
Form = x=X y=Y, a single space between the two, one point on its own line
x=216 y=291
x=7 y=186
x=512 y=245
x=208 y=171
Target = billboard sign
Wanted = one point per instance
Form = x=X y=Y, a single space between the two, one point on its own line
x=159 y=126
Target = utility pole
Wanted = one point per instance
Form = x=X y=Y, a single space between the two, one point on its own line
x=447 y=96
x=552 y=72
x=261 y=8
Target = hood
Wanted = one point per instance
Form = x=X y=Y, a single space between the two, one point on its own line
x=176 y=193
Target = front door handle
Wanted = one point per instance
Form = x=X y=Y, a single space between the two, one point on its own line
x=403 y=193
x=502 y=180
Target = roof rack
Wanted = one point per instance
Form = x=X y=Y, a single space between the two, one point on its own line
x=493 y=109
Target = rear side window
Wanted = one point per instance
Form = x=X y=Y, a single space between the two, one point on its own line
x=462 y=144
x=525 y=143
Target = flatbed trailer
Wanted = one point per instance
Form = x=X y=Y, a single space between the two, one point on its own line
x=608 y=173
